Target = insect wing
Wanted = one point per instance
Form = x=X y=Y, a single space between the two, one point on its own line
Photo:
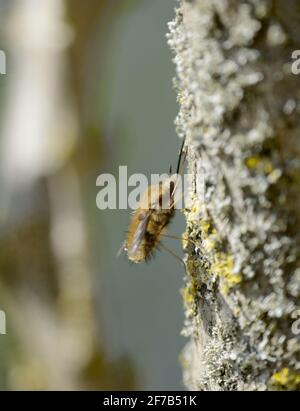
x=139 y=234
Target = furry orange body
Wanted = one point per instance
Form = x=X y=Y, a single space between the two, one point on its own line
x=149 y=221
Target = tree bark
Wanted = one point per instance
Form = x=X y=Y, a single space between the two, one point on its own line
x=239 y=111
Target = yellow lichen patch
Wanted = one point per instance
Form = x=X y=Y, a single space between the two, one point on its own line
x=286 y=379
x=189 y=295
x=253 y=162
x=205 y=226
x=211 y=241
x=180 y=98
x=268 y=167
x=223 y=267
x=256 y=162
x=192 y=213
x=195 y=208
x=185 y=241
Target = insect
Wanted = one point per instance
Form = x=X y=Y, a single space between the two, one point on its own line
x=150 y=220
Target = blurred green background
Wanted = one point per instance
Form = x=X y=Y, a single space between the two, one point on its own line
x=88 y=88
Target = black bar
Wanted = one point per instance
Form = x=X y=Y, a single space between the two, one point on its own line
x=94 y=400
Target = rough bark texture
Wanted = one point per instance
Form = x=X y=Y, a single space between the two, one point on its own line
x=239 y=111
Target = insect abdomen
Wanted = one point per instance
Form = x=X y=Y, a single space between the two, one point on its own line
x=158 y=221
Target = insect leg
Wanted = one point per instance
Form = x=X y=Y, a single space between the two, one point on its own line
x=172 y=253
x=175 y=237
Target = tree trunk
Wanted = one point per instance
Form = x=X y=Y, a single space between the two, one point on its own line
x=239 y=110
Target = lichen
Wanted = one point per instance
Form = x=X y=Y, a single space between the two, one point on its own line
x=242 y=238
x=223 y=266
x=285 y=379
x=189 y=294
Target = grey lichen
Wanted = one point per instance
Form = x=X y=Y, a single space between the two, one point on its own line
x=235 y=92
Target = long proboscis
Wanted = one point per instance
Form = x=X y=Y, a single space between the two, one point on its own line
x=180 y=156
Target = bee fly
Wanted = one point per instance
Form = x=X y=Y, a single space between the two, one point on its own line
x=150 y=220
